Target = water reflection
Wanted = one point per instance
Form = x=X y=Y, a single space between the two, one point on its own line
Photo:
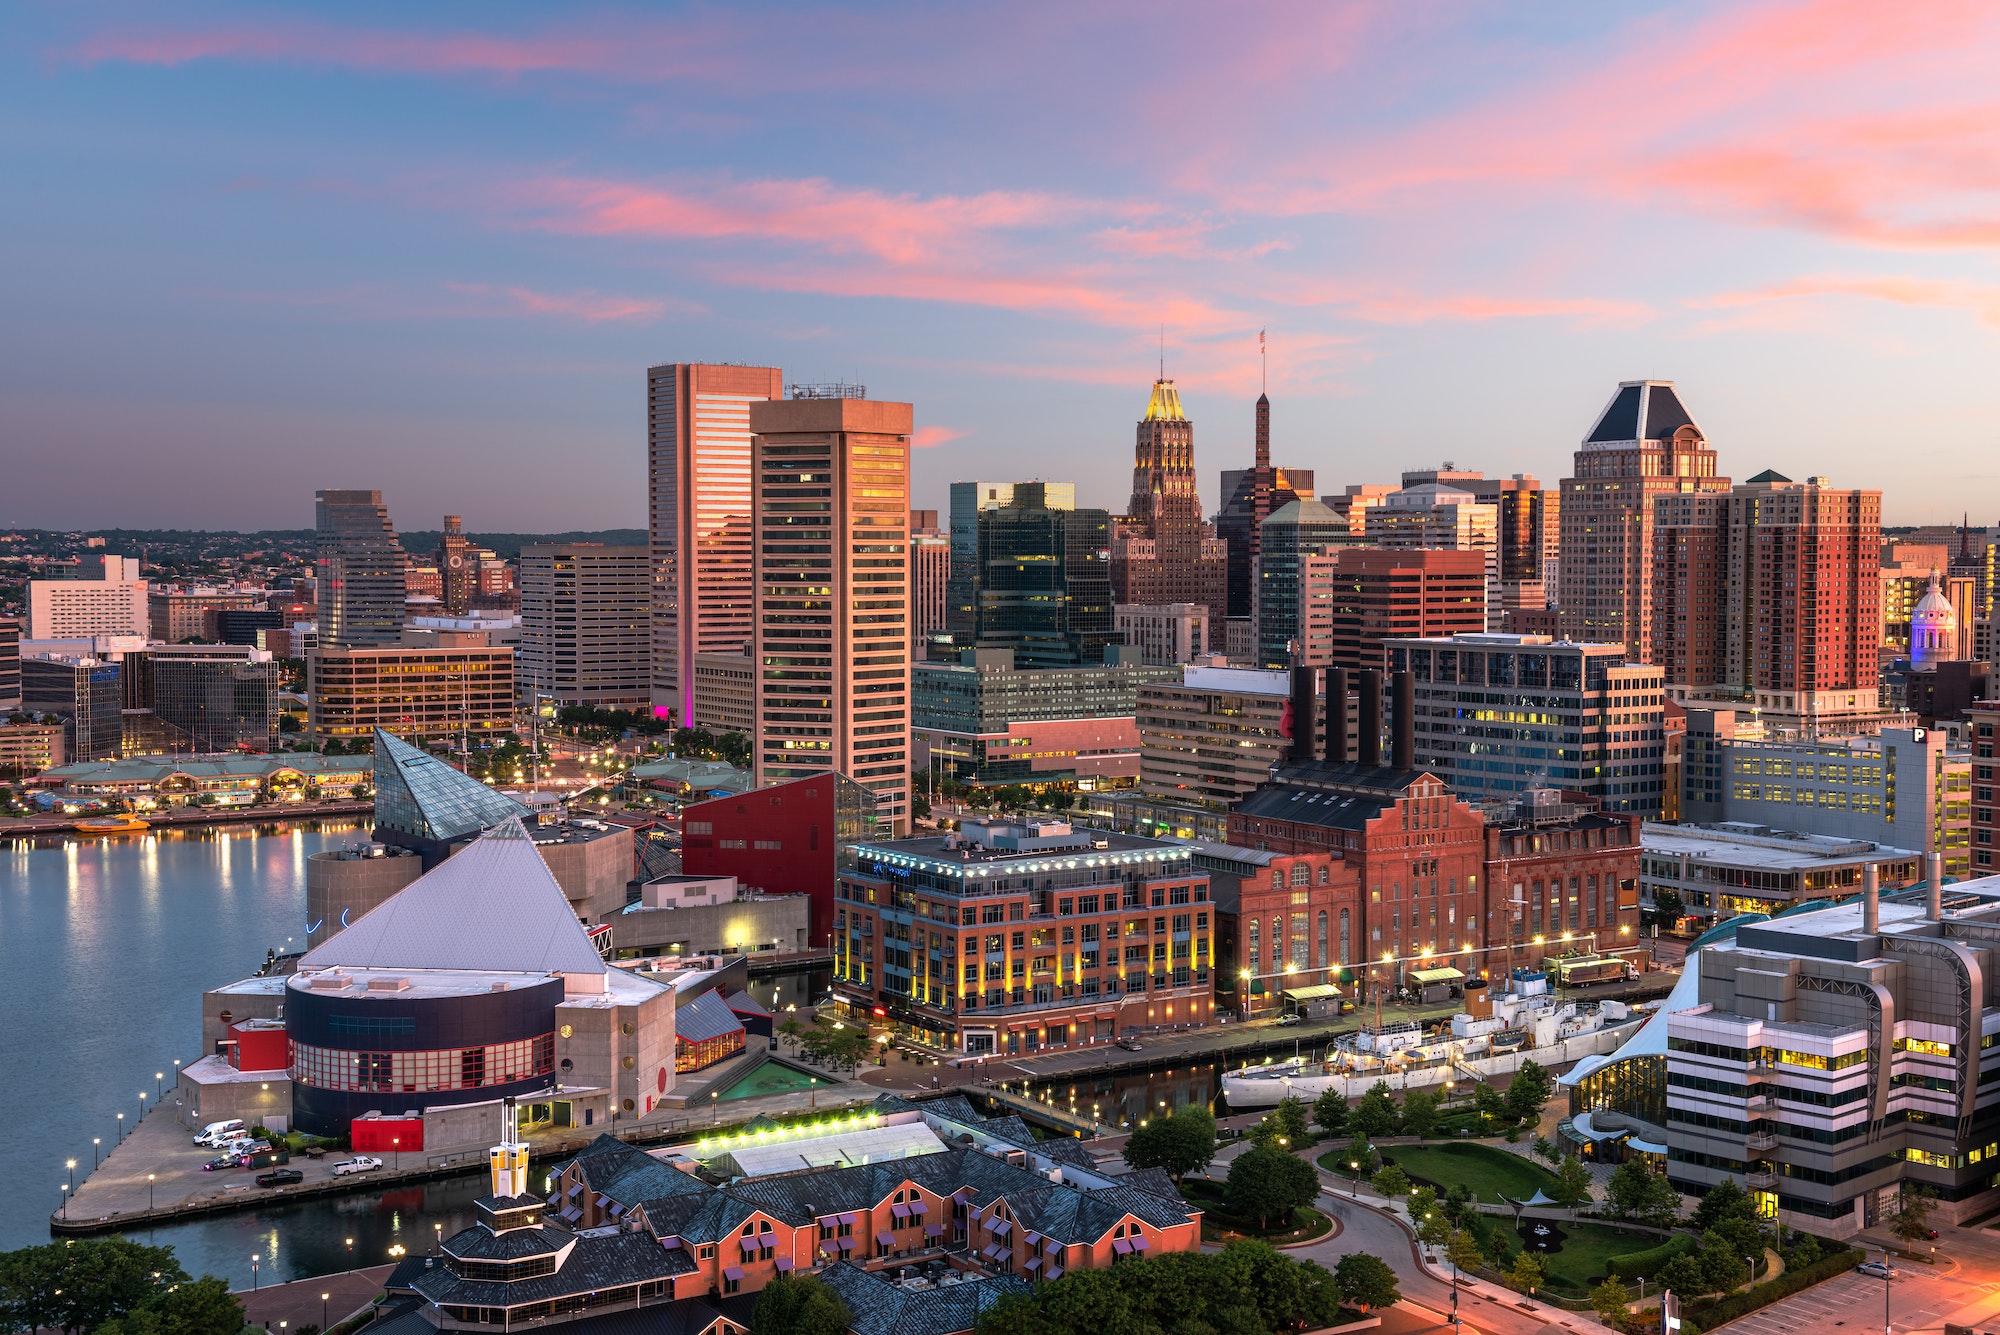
x=106 y=945
x=1125 y=1099
x=322 y=1236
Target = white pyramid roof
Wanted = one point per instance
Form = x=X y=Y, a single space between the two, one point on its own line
x=493 y=905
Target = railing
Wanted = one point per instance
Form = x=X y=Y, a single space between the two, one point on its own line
x=1760 y=1103
x=1761 y=1141
x=1760 y=1180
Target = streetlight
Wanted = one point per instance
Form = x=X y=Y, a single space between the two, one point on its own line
x=1887 y=1270
x=95 y=1143
x=322 y=1309
x=395 y=1153
x=121 y=1128
x=149 y=1192
x=142 y=1105
x=70 y=1164
x=65 y=1200
x=253 y=1272
x=159 y=1089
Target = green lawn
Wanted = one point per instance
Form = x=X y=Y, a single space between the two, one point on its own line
x=1485 y=1171
x=1580 y=1266
x=1218 y=1223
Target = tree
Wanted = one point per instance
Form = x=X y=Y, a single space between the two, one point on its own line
x=1489 y=1103
x=1266 y=1185
x=1462 y=1249
x=1181 y=1144
x=199 y=1307
x=1668 y=909
x=1497 y=1245
x=1423 y=1200
x=1420 y=1113
x=1432 y=1230
x=1547 y=1151
x=1724 y=1200
x=1366 y=1282
x=1530 y=1089
x=1683 y=1274
x=795 y=1304
x=791 y=1031
x=1611 y=1301
x=1392 y=1181
x=1573 y=1183
x=1723 y=1267
x=1527 y=1273
x=1330 y=1112
x=78 y=1286
x=1458 y=1204
x=1912 y=1220
x=1637 y=1192
x=1375 y=1114
x=1284 y=1127
x=1359 y=1155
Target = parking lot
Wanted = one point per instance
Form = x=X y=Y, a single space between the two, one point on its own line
x=1920 y=1297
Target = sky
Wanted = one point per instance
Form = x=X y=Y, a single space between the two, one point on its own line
x=254 y=250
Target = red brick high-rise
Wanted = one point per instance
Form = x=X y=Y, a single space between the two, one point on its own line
x=1161 y=551
x=1776 y=593
x=1380 y=594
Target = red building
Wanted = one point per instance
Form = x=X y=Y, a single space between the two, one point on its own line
x=1278 y=916
x=1382 y=594
x=781 y=840
x=1562 y=878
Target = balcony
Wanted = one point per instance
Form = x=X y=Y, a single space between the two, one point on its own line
x=1760 y=1104
x=1760 y=1179
x=1760 y=1142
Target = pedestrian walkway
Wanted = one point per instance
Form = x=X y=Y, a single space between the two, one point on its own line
x=324 y=1302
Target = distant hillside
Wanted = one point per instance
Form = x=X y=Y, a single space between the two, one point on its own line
x=509 y=545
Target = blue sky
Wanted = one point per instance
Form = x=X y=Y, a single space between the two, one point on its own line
x=257 y=250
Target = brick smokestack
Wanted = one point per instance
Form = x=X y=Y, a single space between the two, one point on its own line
x=1303 y=741
x=1403 y=722
x=1336 y=716
x=1370 y=750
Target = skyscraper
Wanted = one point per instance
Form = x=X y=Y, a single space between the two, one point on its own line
x=1442 y=518
x=1161 y=551
x=1042 y=581
x=1776 y=593
x=1643 y=445
x=1292 y=593
x=1380 y=595
x=831 y=502
x=1530 y=529
x=698 y=467
x=361 y=565
x=930 y=578
x=1249 y=496
x=585 y=624
x=458 y=567
x=968 y=501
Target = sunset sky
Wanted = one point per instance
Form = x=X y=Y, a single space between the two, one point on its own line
x=254 y=250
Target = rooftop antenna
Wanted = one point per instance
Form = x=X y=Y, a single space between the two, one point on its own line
x=1264 y=365
x=1163 y=350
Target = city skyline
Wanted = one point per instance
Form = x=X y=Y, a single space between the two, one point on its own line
x=441 y=253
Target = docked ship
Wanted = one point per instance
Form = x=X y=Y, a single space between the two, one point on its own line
x=1485 y=1041
x=111 y=825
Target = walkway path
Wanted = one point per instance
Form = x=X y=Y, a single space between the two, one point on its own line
x=302 y=1302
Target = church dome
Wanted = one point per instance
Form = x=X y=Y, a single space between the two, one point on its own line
x=1933 y=628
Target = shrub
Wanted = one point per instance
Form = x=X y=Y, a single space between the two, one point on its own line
x=1650 y=1261
x=1730 y=1306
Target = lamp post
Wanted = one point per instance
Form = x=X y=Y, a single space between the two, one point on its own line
x=121 y=1128
x=322 y=1310
x=96 y=1142
x=149 y=1192
x=159 y=1088
x=142 y=1108
x=396 y=1153
x=70 y=1166
x=65 y=1201
x=253 y=1272
x=1887 y=1271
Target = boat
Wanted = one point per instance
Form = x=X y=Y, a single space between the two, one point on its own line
x=111 y=825
x=1528 y=1018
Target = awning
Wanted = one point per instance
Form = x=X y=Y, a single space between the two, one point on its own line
x=747 y=1244
x=1121 y=1246
x=1314 y=992
x=733 y=1272
x=1439 y=975
x=845 y=1244
x=1052 y=1247
x=933 y=1230
x=885 y=1239
x=617 y=1210
x=849 y=1219
x=1004 y=1254
x=575 y=1187
x=1138 y=1244
x=1055 y=1272
x=989 y=1251
x=1032 y=1266
x=1031 y=1239
x=572 y=1214
x=899 y=1211
x=918 y=1207
x=603 y=1201
x=999 y=1228
x=784 y=1263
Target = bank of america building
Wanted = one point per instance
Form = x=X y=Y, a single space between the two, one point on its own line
x=1831 y=1056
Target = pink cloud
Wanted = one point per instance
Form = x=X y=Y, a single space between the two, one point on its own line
x=928 y=437
x=1982 y=300
x=470 y=301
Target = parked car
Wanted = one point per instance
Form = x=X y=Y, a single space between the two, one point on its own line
x=1285 y=1021
x=1131 y=1045
x=360 y=1163
x=218 y=1165
x=1879 y=1269
x=239 y=1147
x=280 y=1177
x=217 y=1132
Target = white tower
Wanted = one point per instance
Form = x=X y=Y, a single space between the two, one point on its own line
x=1933 y=629
x=509 y=1159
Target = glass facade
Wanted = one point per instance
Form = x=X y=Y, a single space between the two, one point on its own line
x=420 y=795
x=424 y=1072
x=1042 y=582
x=221 y=704
x=1635 y=1086
x=361 y=570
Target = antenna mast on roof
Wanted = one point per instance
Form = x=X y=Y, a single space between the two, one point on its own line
x=1263 y=365
x=1163 y=350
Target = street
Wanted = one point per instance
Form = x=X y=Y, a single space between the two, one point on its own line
x=1959 y=1290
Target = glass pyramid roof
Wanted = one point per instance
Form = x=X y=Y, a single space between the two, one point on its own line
x=419 y=794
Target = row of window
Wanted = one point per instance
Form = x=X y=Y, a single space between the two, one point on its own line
x=418 y=1072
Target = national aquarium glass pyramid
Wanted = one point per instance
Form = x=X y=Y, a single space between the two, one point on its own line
x=420 y=795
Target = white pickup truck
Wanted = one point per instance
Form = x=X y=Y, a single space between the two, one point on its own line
x=360 y=1163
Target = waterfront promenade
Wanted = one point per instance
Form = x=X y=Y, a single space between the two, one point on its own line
x=189 y=818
